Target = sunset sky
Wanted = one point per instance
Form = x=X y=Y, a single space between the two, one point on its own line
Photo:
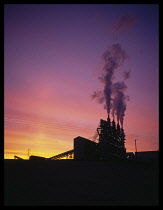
x=52 y=61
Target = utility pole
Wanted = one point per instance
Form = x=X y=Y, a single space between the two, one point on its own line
x=135 y=149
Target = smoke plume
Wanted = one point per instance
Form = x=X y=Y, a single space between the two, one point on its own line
x=119 y=101
x=125 y=23
x=113 y=93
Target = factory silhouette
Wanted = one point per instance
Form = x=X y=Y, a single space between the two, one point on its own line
x=110 y=145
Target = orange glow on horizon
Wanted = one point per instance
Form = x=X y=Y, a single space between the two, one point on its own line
x=49 y=139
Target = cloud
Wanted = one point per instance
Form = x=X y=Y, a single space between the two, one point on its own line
x=124 y=23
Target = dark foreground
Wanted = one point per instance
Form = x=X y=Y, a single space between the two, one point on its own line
x=80 y=183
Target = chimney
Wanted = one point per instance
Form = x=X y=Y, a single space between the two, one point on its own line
x=118 y=127
x=113 y=124
x=108 y=119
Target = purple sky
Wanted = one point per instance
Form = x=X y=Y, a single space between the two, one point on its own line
x=53 y=58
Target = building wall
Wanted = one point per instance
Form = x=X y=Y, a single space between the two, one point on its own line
x=147 y=155
x=85 y=149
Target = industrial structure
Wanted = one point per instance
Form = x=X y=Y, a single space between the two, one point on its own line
x=85 y=149
x=110 y=145
x=111 y=140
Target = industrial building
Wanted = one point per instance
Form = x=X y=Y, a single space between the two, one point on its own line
x=110 y=146
x=147 y=155
x=85 y=149
x=111 y=140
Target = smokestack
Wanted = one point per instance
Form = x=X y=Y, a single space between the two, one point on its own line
x=118 y=127
x=113 y=124
x=122 y=131
x=108 y=119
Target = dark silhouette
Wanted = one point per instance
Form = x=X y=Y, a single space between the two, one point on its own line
x=110 y=146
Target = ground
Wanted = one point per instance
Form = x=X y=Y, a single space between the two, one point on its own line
x=80 y=183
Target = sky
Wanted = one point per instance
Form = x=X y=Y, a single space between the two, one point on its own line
x=53 y=58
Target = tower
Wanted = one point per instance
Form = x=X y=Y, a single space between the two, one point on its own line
x=111 y=140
